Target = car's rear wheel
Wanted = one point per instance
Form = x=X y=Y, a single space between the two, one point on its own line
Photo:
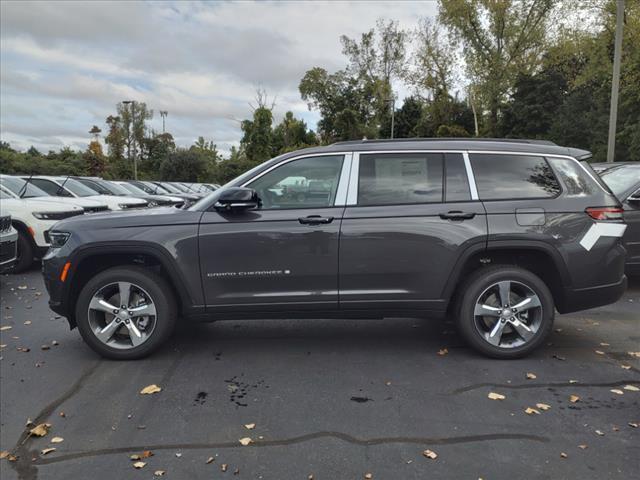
x=24 y=253
x=126 y=313
x=505 y=311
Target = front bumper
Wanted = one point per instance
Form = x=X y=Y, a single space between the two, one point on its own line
x=584 y=298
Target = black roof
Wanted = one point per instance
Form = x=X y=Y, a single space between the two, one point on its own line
x=540 y=147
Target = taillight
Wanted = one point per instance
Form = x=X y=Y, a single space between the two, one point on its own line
x=605 y=213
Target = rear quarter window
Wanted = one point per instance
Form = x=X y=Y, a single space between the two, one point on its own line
x=507 y=177
x=577 y=183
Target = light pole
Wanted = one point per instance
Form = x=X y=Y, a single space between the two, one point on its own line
x=392 y=103
x=615 y=82
x=163 y=114
x=133 y=141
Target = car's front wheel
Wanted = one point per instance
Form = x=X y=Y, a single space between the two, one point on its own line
x=125 y=313
x=505 y=311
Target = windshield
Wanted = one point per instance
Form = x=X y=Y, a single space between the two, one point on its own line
x=16 y=185
x=621 y=179
x=155 y=188
x=131 y=189
x=76 y=187
x=114 y=187
x=171 y=188
x=4 y=195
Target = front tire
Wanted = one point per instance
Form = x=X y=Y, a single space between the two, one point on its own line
x=505 y=311
x=126 y=313
x=25 y=253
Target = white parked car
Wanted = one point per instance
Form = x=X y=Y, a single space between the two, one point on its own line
x=23 y=189
x=33 y=219
x=8 y=241
x=70 y=187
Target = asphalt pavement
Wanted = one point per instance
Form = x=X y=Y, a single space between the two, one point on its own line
x=329 y=399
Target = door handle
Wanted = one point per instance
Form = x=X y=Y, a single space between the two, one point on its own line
x=457 y=215
x=315 y=220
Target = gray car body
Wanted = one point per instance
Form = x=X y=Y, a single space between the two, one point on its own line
x=370 y=261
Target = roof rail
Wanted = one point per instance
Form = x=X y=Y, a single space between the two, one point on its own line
x=445 y=139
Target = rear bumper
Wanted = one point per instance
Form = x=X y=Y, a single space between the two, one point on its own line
x=584 y=298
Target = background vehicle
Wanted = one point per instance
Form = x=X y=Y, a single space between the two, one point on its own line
x=498 y=234
x=123 y=189
x=20 y=188
x=157 y=189
x=624 y=181
x=8 y=241
x=70 y=187
x=33 y=219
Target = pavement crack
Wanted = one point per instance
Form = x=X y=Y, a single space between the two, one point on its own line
x=296 y=440
x=528 y=386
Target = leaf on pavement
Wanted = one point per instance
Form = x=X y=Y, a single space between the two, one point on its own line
x=368 y=476
x=531 y=376
x=543 y=406
x=531 y=411
x=47 y=450
x=150 y=389
x=599 y=352
x=633 y=424
x=57 y=440
x=245 y=441
x=574 y=398
x=430 y=454
x=250 y=426
x=583 y=446
x=626 y=367
x=496 y=396
x=631 y=388
x=5 y=327
x=443 y=351
x=40 y=430
x=616 y=391
x=4 y=454
x=209 y=460
x=158 y=473
x=563 y=455
x=224 y=467
x=600 y=432
x=633 y=354
x=139 y=465
x=22 y=287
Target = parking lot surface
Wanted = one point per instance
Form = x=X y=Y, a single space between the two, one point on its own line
x=330 y=399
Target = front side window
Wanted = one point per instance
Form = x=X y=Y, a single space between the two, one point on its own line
x=50 y=187
x=400 y=178
x=306 y=183
x=507 y=177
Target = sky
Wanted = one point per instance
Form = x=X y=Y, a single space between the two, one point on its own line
x=65 y=65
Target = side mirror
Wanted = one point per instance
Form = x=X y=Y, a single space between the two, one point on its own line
x=237 y=198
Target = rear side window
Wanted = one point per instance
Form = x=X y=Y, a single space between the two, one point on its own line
x=400 y=178
x=505 y=177
x=576 y=181
x=457 y=182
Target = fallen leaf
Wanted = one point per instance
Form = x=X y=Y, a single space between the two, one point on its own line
x=4 y=454
x=28 y=322
x=134 y=456
x=245 y=441
x=531 y=411
x=599 y=352
x=616 y=391
x=55 y=343
x=178 y=455
x=559 y=357
x=6 y=327
x=209 y=460
x=22 y=287
x=443 y=351
x=574 y=398
x=626 y=367
x=62 y=414
x=615 y=429
x=236 y=471
x=631 y=388
x=563 y=455
x=250 y=426
x=368 y=476
x=496 y=396
x=633 y=424
x=139 y=465
x=146 y=454
x=604 y=344
x=40 y=430
x=223 y=467
x=44 y=347
x=543 y=406
x=158 y=473
x=531 y=376
x=47 y=450
x=573 y=381
x=148 y=390
x=633 y=354
x=430 y=454
x=57 y=440
x=599 y=432
x=583 y=446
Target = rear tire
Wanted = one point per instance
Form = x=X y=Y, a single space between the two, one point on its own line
x=24 y=253
x=148 y=288
x=508 y=334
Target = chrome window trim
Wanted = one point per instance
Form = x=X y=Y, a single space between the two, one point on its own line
x=346 y=156
x=343 y=182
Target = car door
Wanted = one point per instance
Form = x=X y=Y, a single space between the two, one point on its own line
x=285 y=253
x=409 y=217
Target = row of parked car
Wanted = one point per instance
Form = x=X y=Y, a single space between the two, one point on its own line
x=31 y=205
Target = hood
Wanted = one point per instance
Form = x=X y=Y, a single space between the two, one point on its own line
x=114 y=201
x=131 y=218
x=75 y=201
x=39 y=205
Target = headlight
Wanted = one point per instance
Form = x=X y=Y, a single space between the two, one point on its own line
x=58 y=239
x=55 y=215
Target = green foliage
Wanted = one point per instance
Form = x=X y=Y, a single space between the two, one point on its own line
x=185 y=165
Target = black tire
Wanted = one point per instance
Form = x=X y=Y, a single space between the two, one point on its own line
x=161 y=295
x=24 y=253
x=470 y=292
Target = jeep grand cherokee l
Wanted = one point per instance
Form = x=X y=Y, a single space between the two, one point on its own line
x=496 y=234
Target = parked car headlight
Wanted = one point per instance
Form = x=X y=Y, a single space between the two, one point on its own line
x=58 y=239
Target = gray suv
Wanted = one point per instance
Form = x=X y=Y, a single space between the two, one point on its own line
x=496 y=234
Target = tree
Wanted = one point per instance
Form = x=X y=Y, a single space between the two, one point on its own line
x=291 y=134
x=183 y=165
x=258 y=135
x=501 y=40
